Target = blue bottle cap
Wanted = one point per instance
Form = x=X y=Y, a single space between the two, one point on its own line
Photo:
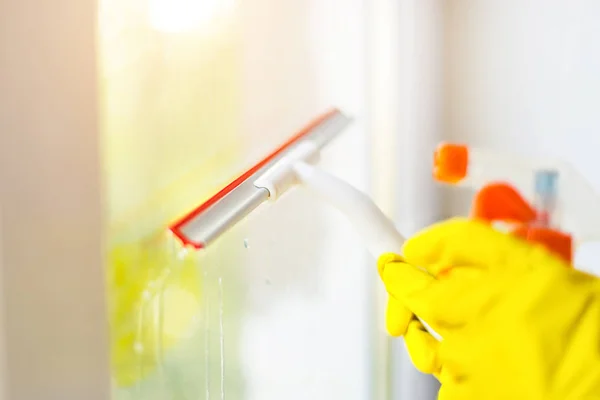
x=546 y=182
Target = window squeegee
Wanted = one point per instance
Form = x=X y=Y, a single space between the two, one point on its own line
x=291 y=164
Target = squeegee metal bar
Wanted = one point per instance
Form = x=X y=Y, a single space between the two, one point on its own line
x=234 y=202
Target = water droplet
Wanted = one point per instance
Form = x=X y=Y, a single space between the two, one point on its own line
x=138 y=347
x=246 y=245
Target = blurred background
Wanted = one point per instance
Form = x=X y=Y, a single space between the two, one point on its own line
x=119 y=116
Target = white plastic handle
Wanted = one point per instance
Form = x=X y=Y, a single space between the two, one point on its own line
x=378 y=232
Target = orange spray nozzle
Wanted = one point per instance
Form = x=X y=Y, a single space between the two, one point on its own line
x=450 y=163
x=499 y=201
x=502 y=202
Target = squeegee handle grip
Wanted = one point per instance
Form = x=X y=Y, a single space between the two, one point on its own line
x=378 y=233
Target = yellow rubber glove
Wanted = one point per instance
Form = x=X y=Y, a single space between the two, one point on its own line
x=516 y=322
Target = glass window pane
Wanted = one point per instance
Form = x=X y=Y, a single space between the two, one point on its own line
x=195 y=92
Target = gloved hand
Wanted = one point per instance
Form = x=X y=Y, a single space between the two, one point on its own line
x=516 y=322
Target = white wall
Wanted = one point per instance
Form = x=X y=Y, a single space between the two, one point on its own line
x=53 y=318
x=522 y=75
